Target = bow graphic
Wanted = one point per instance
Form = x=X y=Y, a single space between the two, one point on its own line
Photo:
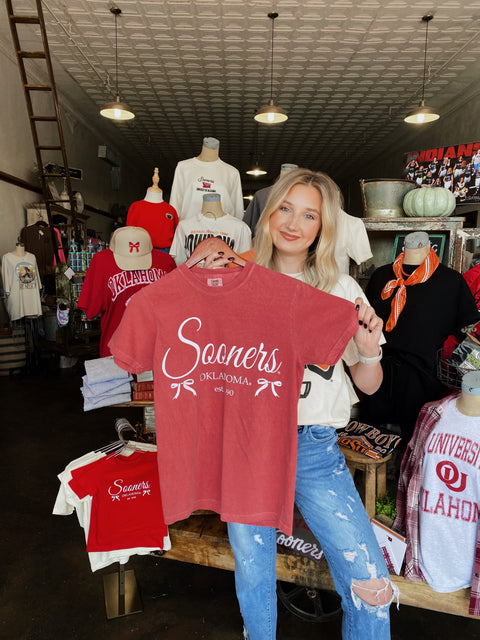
x=115 y=498
x=186 y=384
x=264 y=385
x=133 y=246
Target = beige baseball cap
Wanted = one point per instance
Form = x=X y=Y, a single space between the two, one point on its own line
x=132 y=248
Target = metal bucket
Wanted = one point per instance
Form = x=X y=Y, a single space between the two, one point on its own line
x=383 y=197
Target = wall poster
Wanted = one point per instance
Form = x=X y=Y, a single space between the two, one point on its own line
x=456 y=168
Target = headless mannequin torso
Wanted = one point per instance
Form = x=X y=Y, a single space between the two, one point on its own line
x=468 y=402
x=154 y=193
x=19 y=250
x=212 y=206
x=417 y=248
x=209 y=152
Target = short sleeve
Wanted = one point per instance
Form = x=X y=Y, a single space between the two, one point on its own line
x=92 y=299
x=85 y=479
x=132 y=344
x=322 y=325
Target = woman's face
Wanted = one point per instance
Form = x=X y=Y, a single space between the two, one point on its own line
x=297 y=221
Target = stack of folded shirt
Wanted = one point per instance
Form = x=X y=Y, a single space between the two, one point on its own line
x=105 y=384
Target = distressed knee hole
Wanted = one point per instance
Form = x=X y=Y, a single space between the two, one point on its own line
x=376 y=592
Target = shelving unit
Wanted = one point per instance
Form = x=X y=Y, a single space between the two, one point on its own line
x=450 y=226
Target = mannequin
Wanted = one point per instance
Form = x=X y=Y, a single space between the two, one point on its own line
x=438 y=493
x=468 y=402
x=19 y=250
x=450 y=479
x=212 y=206
x=154 y=193
x=212 y=221
x=156 y=216
x=209 y=152
x=421 y=303
x=417 y=247
x=206 y=173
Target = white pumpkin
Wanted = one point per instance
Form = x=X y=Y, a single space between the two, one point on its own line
x=429 y=202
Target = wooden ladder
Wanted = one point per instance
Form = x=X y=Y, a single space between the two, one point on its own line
x=45 y=152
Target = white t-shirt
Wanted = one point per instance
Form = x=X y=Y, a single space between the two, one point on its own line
x=449 y=501
x=194 y=178
x=327 y=393
x=191 y=231
x=352 y=241
x=21 y=281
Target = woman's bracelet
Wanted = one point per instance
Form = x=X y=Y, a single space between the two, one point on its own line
x=373 y=360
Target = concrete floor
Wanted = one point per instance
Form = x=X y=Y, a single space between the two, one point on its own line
x=47 y=589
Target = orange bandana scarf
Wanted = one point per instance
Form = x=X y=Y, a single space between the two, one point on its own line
x=421 y=274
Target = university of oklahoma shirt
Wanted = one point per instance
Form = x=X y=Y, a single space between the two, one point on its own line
x=228 y=349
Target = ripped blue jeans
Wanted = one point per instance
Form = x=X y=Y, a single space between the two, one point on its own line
x=329 y=502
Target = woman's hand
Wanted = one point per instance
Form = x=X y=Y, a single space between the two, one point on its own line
x=367 y=376
x=216 y=261
x=369 y=330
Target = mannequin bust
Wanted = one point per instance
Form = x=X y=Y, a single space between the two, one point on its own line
x=19 y=250
x=288 y=166
x=417 y=247
x=154 y=193
x=209 y=152
x=468 y=402
x=212 y=206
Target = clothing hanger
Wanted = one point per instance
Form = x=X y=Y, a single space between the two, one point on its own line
x=209 y=246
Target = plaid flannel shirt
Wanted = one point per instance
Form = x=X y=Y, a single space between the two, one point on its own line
x=408 y=499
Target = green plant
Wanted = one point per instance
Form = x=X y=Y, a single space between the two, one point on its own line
x=386 y=505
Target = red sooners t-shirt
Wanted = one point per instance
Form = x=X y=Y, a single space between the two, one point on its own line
x=126 y=503
x=107 y=289
x=228 y=349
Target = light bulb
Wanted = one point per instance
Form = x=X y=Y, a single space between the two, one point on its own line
x=117 y=113
x=270 y=117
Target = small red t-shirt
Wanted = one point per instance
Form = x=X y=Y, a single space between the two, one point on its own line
x=126 y=502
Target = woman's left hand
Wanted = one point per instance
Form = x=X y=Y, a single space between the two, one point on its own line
x=369 y=330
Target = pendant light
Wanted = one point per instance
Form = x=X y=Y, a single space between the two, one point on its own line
x=256 y=170
x=423 y=113
x=270 y=113
x=116 y=110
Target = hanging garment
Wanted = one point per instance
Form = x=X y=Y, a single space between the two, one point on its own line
x=228 y=349
x=22 y=286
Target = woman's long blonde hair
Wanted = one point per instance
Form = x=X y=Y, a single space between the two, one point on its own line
x=320 y=268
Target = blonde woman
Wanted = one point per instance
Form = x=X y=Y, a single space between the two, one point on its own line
x=296 y=236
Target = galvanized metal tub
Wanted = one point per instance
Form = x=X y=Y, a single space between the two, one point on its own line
x=383 y=197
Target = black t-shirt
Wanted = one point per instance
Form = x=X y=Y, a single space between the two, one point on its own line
x=433 y=310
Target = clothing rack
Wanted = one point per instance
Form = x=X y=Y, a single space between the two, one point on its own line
x=120 y=589
x=122 y=597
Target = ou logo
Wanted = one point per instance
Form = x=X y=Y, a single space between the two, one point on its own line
x=449 y=474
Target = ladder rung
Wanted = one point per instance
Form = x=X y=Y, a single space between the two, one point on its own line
x=25 y=19
x=31 y=54
x=50 y=148
x=38 y=87
x=44 y=118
